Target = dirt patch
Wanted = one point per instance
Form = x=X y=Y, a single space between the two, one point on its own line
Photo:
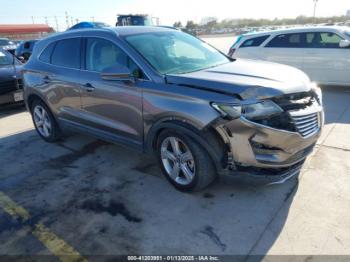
x=208 y=195
x=67 y=159
x=209 y=231
x=113 y=208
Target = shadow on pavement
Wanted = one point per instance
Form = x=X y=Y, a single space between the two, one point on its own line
x=7 y=110
x=106 y=199
x=336 y=101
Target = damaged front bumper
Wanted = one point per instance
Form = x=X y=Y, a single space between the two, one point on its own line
x=272 y=155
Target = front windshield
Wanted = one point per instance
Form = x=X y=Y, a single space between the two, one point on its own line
x=4 y=59
x=176 y=52
x=347 y=33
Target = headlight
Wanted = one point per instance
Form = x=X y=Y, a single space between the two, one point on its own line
x=227 y=110
x=318 y=92
x=255 y=111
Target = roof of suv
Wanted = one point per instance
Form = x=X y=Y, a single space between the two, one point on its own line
x=300 y=29
x=118 y=31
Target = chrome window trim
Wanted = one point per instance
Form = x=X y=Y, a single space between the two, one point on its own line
x=83 y=70
x=123 y=49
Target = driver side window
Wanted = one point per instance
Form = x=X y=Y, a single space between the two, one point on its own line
x=102 y=54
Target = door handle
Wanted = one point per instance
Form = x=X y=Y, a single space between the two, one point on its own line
x=89 y=87
x=47 y=79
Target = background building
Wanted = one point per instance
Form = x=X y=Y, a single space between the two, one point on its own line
x=25 y=31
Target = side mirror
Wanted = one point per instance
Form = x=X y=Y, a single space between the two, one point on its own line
x=344 y=43
x=117 y=73
x=22 y=59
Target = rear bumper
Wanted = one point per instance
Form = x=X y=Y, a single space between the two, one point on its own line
x=9 y=98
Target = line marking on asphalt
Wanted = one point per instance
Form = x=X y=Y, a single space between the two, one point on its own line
x=12 y=208
x=50 y=240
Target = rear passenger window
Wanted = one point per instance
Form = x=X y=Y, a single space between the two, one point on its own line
x=287 y=41
x=67 y=53
x=46 y=54
x=257 y=41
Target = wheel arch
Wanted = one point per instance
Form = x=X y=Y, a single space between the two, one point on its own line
x=31 y=98
x=207 y=137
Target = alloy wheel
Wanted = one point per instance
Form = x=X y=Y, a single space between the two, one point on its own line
x=178 y=160
x=42 y=121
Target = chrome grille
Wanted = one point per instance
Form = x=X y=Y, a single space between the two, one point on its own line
x=307 y=124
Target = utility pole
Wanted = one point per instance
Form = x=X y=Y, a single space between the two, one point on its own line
x=57 y=28
x=67 y=19
x=315 y=6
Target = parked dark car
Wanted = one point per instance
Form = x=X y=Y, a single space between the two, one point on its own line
x=134 y=20
x=11 y=88
x=160 y=90
x=25 y=49
x=8 y=45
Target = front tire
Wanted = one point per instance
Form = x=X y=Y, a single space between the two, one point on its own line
x=44 y=122
x=185 y=164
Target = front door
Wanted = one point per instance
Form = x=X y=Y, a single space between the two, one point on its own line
x=112 y=109
x=285 y=49
x=325 y=61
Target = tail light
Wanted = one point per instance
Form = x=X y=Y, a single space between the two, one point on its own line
x=231 y=51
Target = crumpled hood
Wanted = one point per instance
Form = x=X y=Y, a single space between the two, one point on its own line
x=247 y=79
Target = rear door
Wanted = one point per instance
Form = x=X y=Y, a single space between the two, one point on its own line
x=286 y=49
x=325 y=61
x=60 y=77
x=251 y=48
x=112 y=109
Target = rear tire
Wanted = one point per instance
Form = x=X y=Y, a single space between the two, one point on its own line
x=44 y=122
x=185 y=164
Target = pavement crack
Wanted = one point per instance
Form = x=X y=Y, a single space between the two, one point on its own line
x=335 y=147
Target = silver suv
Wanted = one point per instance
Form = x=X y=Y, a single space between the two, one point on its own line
x=159 y=90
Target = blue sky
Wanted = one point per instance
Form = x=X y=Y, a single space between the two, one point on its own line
x=20 y=11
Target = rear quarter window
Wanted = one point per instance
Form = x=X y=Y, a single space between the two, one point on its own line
x=67 y=53
x=46 y=54
x=256 y=41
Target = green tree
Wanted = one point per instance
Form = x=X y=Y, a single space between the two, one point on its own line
x=178 y=24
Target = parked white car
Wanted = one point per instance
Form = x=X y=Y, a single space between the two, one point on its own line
x=321 y=52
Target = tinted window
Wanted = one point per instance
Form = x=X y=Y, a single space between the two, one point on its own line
x=67 y=53
x=4 y=59
x=322 y=40
x=4 y=42
x=46 y=54
x=287 y=41
x=27 y=45
x=257 y=41
x=101 y=54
